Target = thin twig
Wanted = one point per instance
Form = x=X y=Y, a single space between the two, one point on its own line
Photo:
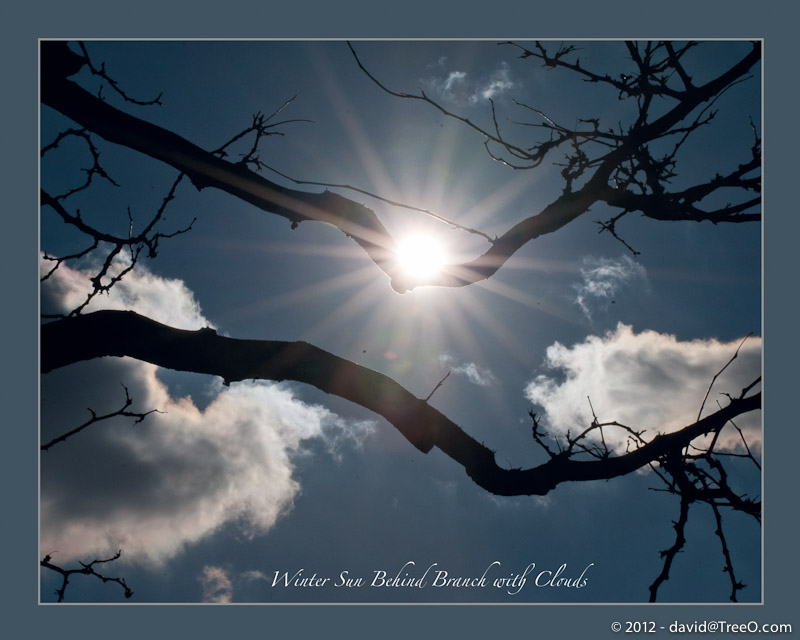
x=714 y=379
x=95 y=418
x=394 y=203
x=728 y=568
x=441 y=382
x=669 y=554
x=86 y=569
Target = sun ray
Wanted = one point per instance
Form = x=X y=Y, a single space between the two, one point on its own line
x=354 y=279
x=420 y=255
x=534 y=302
x=470 y=312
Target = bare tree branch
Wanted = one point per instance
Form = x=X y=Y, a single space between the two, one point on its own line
x=205 y=169
x=669 y=554
x=594 y=173
x=394 y=203
x=101 y=73
x=728 y=568
x=107 y=274
x=95 y=418
x=439 y=384
x=121 y=333
x=717 y=375
x=87 y=569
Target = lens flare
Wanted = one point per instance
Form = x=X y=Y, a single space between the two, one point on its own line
x=421 y=256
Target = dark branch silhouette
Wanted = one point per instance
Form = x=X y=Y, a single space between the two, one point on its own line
x=616 y=168
x=701 y=477
x=101 y=73
x=204 y=168
x=87 y=569
x=123 y=412
x=125 y=333
x=123 y=251
x=669 y=554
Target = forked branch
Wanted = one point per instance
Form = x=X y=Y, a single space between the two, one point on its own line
x=590 y=176
x=124 y=333
x=123 y=412
x=87 y=569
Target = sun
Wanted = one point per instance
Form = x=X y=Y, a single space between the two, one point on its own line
x=420 y=256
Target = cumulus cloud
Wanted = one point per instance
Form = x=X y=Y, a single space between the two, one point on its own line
x=152 y=488
x=644 y=380
x=462 y=88
x=480 y=376
x=602 y=279
x=216 y=584
x=162 y=299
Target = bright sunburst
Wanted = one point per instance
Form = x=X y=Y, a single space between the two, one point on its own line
x=421 y=256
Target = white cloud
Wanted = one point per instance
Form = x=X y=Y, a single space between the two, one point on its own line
x=152 y=488
x=217 y=585
x=452 y=78
x=253 y=575
x=646 y=381
x=165 y=300
x=498 y=82
x=603 y=279
x=462 y=88
x=480 y=376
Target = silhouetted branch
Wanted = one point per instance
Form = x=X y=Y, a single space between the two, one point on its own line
x=583 y=442
x=539 y=435
x=205 y=169
x=110 y=272
x=424 y=98
x=610 y=225
x=101 y=73
x=62 y=259
x=124 y=333
x=694 y=477
x=95 y=170
x=87 y=569
x=600 y=156
x=717 y=375
x=633 y=85
x=439 y=384
x=149 y=238
x=728 y=568
x=394 y=203
x=702 y=477
x=261 y=127
x=746 y=446
x=669 y=554
x=95 y=418
x=587 y=174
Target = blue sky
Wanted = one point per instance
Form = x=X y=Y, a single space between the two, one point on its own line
x=265 y=478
